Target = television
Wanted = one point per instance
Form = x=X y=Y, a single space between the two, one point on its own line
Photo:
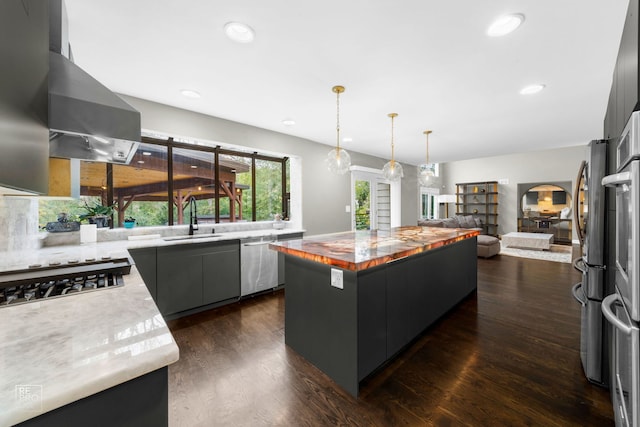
x=559 y=198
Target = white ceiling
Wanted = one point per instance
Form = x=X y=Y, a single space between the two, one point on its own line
x=429 y=61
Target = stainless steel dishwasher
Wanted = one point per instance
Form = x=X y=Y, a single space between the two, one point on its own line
x=258 y=265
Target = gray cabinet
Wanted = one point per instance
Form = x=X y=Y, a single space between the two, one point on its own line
x=179 y=283
x=24 y=47
x=624 y=97
x=145 y=259
x=221 y=273
x=194 y=275
x=140 y=402
x=282 y=237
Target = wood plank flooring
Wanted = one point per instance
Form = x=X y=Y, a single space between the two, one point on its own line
x=506 y=356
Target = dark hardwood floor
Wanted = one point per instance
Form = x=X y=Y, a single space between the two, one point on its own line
x=506 y=356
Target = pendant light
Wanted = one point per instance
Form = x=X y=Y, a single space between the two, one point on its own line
x=338 y=160
x=392 y=170
x=425 y=171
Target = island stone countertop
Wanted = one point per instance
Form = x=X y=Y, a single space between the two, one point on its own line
x=67 y=348
x=359 y=250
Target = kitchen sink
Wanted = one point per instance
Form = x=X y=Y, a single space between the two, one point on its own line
x=195 y=236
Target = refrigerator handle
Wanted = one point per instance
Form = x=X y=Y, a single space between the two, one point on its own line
x=574 y=292
x=579 y=265
x=617 y=179
x=607 y=303
x=576 y=204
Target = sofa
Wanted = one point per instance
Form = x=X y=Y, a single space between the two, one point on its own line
x=488 y=246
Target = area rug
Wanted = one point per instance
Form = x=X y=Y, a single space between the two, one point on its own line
x=557 y=253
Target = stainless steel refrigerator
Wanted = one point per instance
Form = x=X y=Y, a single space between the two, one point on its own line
x=622 y=308
x=589 y=209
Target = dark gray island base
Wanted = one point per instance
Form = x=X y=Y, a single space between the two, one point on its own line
x=349 y=333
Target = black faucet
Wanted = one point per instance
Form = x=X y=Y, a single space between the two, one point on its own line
x=193 y=216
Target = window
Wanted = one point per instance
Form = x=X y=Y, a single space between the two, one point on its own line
x=140 y=188
x=268 y=189
x=362 y=212
x=227 y=186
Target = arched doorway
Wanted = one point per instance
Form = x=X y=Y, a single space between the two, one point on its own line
x=546 y=208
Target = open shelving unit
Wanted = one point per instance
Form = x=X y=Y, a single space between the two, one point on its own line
x=479 y=199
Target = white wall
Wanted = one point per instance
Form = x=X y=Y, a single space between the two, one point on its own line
x=537 y=166
x=324 y=195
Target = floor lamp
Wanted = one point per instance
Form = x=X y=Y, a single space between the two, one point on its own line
x=446 y=199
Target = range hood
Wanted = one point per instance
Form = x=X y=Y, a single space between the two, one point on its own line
x=86 y=120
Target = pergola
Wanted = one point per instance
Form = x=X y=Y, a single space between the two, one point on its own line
x=146 y=179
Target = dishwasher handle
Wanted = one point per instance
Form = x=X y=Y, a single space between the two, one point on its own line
x=259 y=243
x=574 y=291
x=607 y=303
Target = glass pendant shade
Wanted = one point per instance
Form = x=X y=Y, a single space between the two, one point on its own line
x=426 y=176
x=392 y=170
x=338 y=161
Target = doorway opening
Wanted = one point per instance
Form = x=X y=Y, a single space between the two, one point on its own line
x=373 y=200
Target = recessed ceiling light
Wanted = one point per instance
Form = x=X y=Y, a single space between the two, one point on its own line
x=288 y=122
x=531 y=89
x=146 y=153
x=238 y=32
x=194 y=167
x=140 y=161
x=190 y=93
x=505 y=24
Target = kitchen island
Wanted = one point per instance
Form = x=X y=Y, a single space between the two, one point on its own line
x=354 y=300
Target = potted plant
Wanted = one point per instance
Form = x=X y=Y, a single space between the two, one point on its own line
x=97 y=214
x=129 y=222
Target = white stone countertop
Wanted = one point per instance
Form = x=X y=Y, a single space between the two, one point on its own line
x=71 y=347
x=68 y=348
x=118 y=248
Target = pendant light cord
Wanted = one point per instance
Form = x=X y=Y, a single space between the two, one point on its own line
x=338 y=120
x=427 y=132
x=393 y=116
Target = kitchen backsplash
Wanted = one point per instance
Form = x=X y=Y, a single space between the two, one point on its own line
x=18 y=223
x=108 y=235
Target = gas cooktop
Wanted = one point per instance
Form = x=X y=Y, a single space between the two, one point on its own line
x=56 y=279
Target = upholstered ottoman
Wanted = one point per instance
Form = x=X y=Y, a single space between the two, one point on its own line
x=488 y=246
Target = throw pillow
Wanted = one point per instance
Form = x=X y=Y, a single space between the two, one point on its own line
x=430 y=223
x=469 y=222
x=451 y=223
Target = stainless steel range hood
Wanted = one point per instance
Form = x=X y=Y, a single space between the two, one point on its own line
x=87 y=121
